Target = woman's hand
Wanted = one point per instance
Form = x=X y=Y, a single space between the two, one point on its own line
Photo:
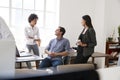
x=82 y=44
x=78 y=42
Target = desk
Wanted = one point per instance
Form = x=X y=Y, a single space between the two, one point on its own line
x=94 y=55
x=28 y=59
x=98 y=54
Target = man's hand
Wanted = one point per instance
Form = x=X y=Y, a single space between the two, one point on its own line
x=52 y=54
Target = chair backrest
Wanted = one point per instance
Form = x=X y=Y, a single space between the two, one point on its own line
x=75 y=67
x=22 y=53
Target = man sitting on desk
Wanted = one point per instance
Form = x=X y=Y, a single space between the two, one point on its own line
x=57 y=48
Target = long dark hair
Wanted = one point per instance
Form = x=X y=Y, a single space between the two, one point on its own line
x=88 y=21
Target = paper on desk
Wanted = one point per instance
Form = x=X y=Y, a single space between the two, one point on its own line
x=25 y=54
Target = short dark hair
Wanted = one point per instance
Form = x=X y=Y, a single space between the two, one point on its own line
x=62 y=29
x=32 y=17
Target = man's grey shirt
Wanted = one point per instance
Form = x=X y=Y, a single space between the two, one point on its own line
x=58 y=45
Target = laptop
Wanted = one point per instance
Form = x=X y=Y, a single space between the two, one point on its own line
x=25 y=54
x=22 y=53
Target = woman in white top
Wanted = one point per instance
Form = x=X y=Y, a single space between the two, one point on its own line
x=32 y=36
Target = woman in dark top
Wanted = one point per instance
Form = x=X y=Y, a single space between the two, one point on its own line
x=86 y=41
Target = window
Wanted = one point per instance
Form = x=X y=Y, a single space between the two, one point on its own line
x=4 y=10
x=16 y=12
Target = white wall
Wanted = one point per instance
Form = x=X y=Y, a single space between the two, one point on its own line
x=104 y=18
x=112 y=17
x=99 y=25
x=100 y=32
x=71 y=12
